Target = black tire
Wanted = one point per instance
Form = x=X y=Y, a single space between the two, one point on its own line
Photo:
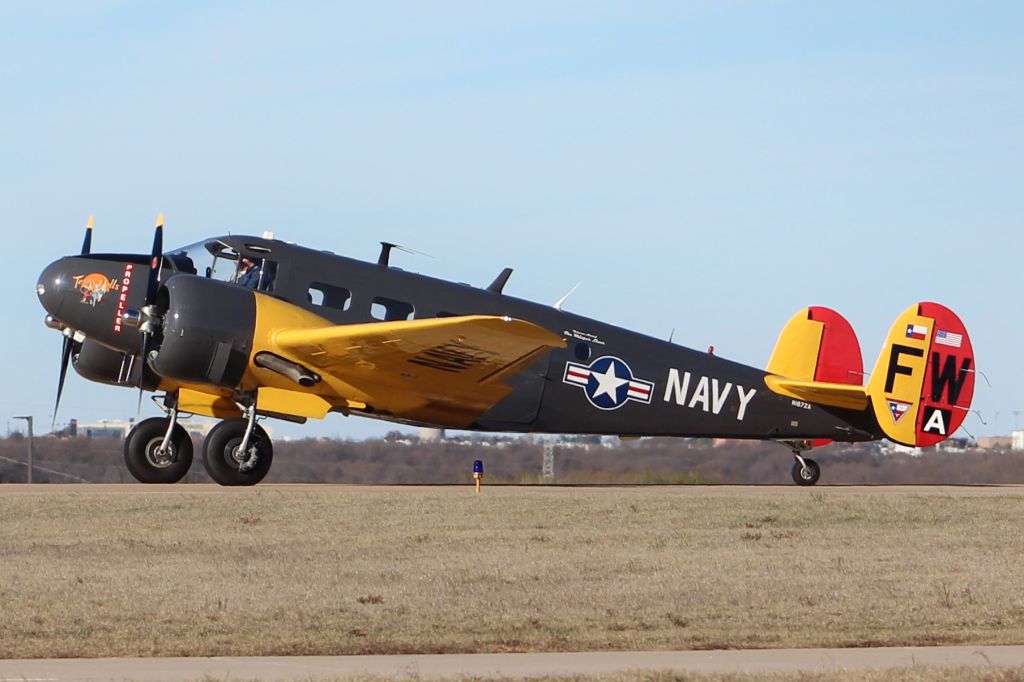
x=808 y=475
x=140 y=452
x=220 y=454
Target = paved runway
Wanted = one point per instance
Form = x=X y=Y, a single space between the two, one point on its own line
x=687 y=490
x=504 y=665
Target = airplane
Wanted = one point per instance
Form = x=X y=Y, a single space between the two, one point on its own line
x=243 y=328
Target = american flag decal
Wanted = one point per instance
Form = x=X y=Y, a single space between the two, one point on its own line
x=944 y=338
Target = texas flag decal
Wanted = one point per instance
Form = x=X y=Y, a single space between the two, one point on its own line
x=917 y=331
x=897 y=408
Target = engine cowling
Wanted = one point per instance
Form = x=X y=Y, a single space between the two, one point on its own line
x=96 y=362
x=207 y=331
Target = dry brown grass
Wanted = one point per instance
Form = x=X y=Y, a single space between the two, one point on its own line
x=337 y=570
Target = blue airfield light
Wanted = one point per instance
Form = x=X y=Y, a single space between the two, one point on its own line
x=478 y=473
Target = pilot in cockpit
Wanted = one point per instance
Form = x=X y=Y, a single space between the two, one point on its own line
x=256 y=274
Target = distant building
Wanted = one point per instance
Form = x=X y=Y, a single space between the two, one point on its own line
x=430 y=435
x=114 y=428
x=105 y=428
x=955 y=445
x=995 y=442
x=1017 y=440
x=898 y=449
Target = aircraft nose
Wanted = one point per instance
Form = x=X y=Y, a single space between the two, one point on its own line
x=54 y=282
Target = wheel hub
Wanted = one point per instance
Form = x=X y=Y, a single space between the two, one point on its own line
x=157 y=457
x=245 y=461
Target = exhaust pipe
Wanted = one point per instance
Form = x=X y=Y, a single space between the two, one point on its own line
x=292 y=370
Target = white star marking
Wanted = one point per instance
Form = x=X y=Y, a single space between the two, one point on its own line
x=607 y=383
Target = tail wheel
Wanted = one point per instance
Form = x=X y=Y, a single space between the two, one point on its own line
x=223 y=457
x=807 y=473
x=147 y=462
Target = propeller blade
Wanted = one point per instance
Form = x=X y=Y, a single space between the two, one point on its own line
x=156 y=261
x=69 y=343
x=155 y=265
x=87 y=243
x=65 y=358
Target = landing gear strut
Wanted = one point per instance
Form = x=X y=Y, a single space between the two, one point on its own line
x=805 y=470
x=238 y=451
x=159 y=450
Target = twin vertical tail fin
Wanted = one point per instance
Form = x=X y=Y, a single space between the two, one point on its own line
x=818 y=344
x=920 y=390
x=923 y=382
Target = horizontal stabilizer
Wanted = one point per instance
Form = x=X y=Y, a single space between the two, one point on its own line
x=845 y=396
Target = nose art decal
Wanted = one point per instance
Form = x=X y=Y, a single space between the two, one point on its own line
x=94 y=287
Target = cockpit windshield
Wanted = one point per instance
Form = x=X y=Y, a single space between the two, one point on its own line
x=211 y=258
x=215 y=259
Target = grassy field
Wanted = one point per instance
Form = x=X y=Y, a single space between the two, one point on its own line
x=195 y=570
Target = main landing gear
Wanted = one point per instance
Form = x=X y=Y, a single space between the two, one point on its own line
x=236 y=451
x=159 y=450
x=805 y=470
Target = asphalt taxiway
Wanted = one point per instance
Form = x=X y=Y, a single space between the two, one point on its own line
x=503 y=665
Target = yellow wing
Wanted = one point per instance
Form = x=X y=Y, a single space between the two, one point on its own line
x=445 y=370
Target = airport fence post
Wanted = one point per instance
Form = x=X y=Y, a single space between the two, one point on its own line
x=548 y=466
x=30 y=437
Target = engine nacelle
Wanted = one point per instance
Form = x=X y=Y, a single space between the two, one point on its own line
x=207 y=331
x=96 y=362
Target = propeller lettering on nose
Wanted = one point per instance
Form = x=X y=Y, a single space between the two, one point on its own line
x=122 y=300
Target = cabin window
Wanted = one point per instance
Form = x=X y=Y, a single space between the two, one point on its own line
x=329 y=296
x=390 y=310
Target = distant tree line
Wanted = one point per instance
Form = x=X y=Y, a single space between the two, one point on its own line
x=402 y=460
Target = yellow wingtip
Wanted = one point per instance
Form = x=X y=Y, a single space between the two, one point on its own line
x=160 y=220
x=89 y=223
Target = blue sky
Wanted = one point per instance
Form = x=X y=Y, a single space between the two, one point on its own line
x=707 y=167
